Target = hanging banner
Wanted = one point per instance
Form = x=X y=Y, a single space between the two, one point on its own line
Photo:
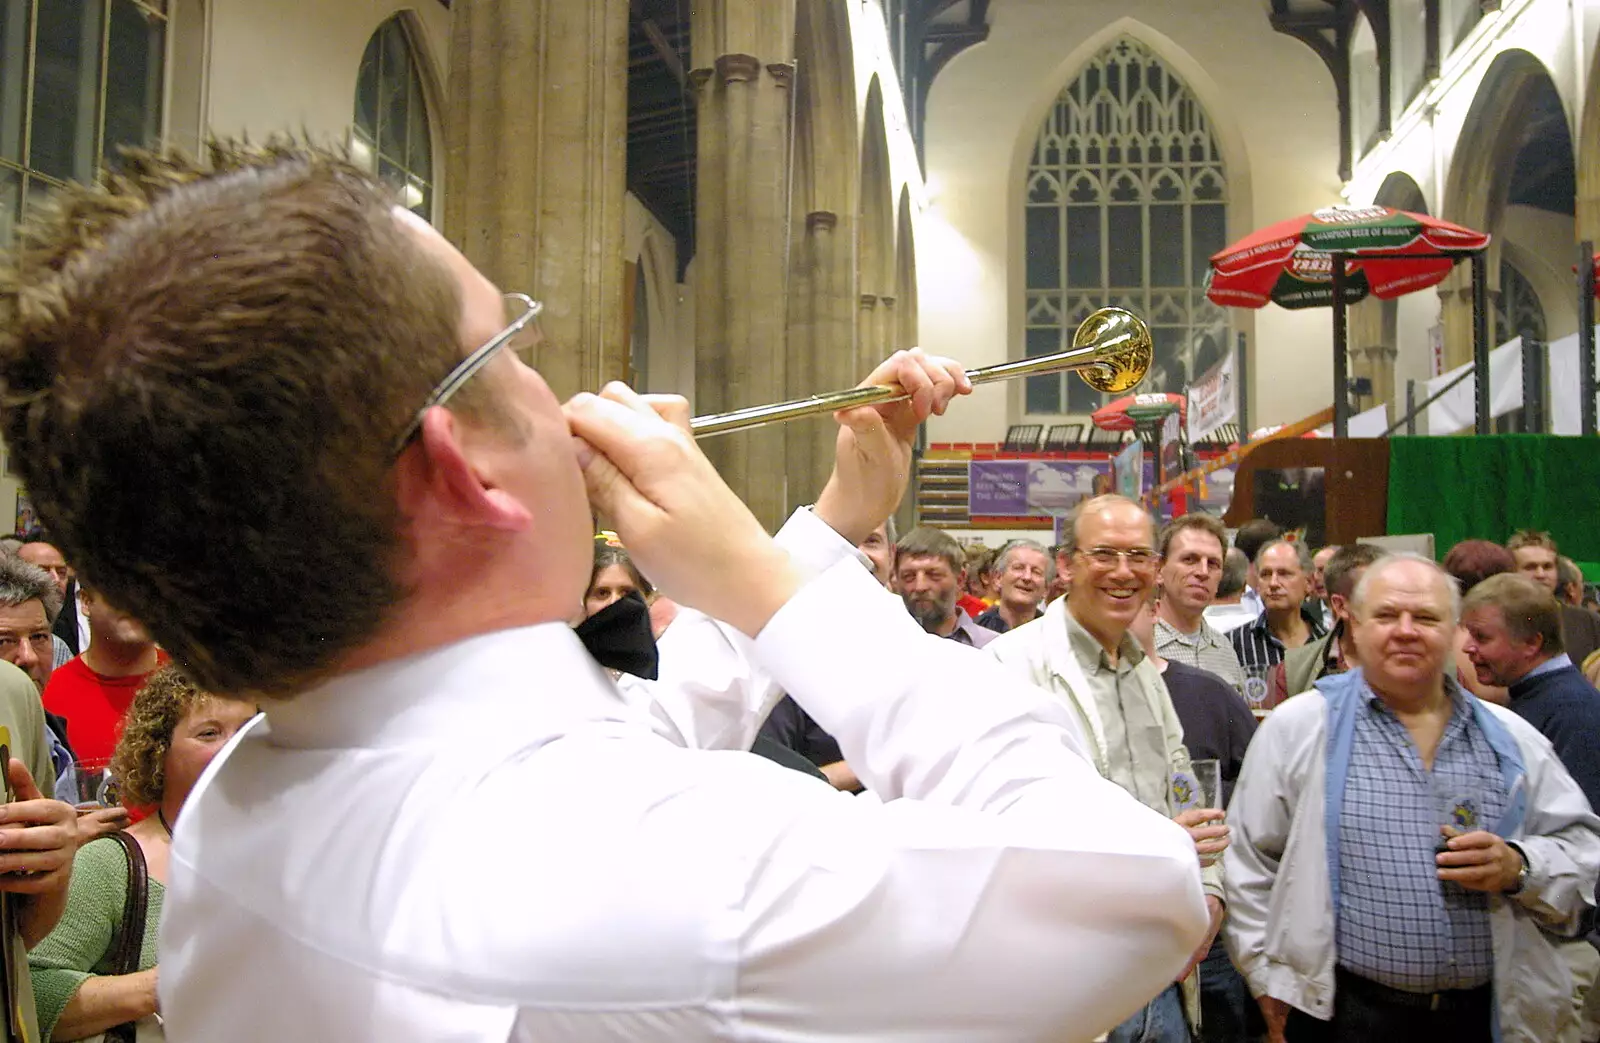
x=1128 y=467
x=1041 y=488
x=1213 y=399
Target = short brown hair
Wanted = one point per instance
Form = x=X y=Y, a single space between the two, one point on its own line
x=139 y=763
x=1473 y=561
x=204 y=369
x=927 y=542
x=1254 y=534
x=1339 y=574
x=1532 y=538
x=1529 y=609
x=1198 y=521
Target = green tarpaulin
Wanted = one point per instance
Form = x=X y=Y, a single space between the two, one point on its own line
x=1488 y=487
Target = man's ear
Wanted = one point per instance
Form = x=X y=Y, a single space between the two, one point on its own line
x=438 y=476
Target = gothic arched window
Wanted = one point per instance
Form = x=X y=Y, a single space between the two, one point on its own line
x=1366 y=87
x=1126 y=202
x=1408 y=22
x=391 y=133
x=1456 y=19
x=1518 y=312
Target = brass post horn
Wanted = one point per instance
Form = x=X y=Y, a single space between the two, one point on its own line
x=1111 y=351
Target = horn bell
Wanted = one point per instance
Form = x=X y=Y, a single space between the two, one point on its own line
x=1123 y=350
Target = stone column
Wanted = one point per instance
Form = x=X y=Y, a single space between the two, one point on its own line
x=821 y=345
x=867 y=353
x=1455 y=315
x=741 y=263
x=1380 y=367
x=536 y=168
x=1455 y=310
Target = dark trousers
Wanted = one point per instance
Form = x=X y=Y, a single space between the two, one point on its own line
x=1365 y=1012
x=1227 y=1013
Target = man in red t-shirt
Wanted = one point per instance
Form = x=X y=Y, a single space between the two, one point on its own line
x=93 y=690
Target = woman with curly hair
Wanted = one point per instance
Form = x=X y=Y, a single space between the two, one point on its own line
x=171 y=732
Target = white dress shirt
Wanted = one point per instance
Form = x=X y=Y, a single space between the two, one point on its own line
x=1225 y=619
x=487 y=843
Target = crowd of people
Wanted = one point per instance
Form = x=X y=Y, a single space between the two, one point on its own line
x=1142 y=634
x=1157 y=783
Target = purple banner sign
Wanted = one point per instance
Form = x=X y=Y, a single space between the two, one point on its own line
x=1033 y=488
x=997 y=487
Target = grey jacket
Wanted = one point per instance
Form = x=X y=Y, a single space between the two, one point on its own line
x=1280 y=925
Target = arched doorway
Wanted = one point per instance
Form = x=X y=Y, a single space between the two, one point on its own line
x=1513 y=175
x=1375 y=327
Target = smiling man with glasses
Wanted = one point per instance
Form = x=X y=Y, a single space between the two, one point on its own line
x=1081 y=650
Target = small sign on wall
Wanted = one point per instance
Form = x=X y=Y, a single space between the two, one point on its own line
x=26 y=521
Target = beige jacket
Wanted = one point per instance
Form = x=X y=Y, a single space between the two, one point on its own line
x=1042 y=652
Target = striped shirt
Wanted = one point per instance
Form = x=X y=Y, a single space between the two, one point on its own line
x=1205 y=649
x=1397 y=923
x=1259 y=650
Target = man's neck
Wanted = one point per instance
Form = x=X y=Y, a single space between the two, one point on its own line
x=1231 y=599
x=1425 y=711
x=1016 y=614
x=1170 y=613
x=1347 y=646
x=1289 y=627
x=947 y=626
x=118 y=660
x=1110 y=641
x=1528 y=669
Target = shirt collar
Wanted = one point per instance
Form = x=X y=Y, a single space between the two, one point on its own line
x=1205 y=637
x=1088 y=649
x=1313 y=622
x=534 y=681
x=1458 y=695
x=964 y=624
x=1549 y=666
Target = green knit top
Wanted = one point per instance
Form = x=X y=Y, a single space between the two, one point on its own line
x=83 y=943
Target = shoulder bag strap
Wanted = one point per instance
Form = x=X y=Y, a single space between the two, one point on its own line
x=130 y=936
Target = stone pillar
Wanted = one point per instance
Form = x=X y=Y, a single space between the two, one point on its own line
x=1455 y=315
x=1380 y=367
x=536 y=169
x=821 y=346
x=741 y=264
x=867 y=353
x=1455 y=309
x=888 y=326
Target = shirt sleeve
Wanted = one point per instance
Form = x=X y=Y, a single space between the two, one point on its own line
x=1260 y=815
x=68 y=955
x=711 y=692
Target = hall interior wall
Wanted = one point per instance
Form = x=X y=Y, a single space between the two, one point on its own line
x=1441 y=129
x=291 y=65
x=1271 y=101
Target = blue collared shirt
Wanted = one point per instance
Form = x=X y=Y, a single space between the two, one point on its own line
x=1550 y=665
x=1396 y=922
